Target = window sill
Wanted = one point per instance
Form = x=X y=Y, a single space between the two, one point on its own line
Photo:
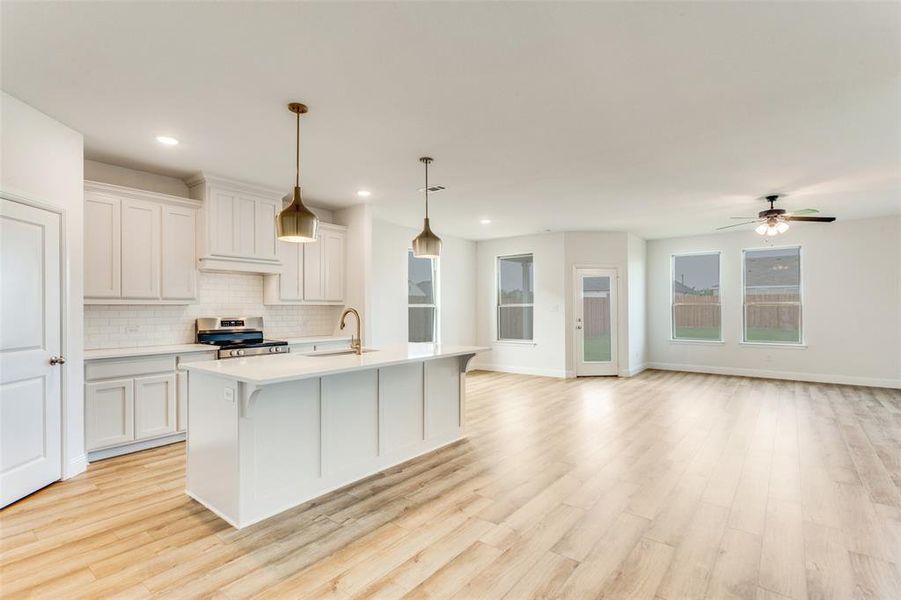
x=801 y=346
x=699 y=342
x=514 y=343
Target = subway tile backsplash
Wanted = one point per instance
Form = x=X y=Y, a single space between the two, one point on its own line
x=219 y=295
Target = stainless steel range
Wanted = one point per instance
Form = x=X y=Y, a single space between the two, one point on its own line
x=237 y=336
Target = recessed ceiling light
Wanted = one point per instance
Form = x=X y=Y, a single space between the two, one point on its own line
x=165 y=139
x=485 y=221
x=364 y=193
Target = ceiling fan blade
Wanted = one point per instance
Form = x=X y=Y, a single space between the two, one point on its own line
x=810 y=219
x=803 y=211
x=738 y=224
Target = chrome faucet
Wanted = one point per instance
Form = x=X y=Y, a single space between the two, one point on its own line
x=356 y=343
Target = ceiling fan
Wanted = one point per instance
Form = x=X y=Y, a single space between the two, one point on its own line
x=773 y=221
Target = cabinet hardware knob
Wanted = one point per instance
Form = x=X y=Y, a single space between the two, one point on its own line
x=57 y=360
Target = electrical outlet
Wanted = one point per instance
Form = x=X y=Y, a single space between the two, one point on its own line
x=133 y=329
x=229 y=395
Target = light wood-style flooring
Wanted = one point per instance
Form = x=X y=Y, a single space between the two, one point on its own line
x=666 y=485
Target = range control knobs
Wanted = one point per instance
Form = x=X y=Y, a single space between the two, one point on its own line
x=240 y=353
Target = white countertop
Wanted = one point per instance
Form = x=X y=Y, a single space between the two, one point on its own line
x=101 y=353
x=263 y=370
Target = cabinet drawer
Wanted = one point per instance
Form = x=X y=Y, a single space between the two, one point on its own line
x=128 y=367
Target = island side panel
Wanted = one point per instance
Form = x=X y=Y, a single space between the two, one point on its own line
x=401 y=409
x=280 y=448
x=442 y=400
x=350 y=425
x=212 y=453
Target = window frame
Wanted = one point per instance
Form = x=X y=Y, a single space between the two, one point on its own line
x=498 y=305
x=744 y=313
x=672 y=318
x=436 y=295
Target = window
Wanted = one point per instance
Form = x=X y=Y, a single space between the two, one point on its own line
x=696 y=297
x=422 y=310
x=515 y=297
x=772 y=295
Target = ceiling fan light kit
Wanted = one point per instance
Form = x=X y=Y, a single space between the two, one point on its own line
x=774 y=221
x=296 y=223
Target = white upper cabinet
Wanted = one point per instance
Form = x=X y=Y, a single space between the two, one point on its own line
x=139 y=246
x=140 y=250
x=102 y=247
x=179 y=269
x=311 y=273
x=237 y=225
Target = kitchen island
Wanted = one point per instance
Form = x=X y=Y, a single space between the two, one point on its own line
x=267 y=433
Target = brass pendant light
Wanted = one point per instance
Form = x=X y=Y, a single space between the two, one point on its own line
x=297 y=223
x=426 y=244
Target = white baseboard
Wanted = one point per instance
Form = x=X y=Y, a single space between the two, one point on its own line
x=633 y=371
x=75 y=466
x=561 y=373
x=136 y=446
x=789 y=375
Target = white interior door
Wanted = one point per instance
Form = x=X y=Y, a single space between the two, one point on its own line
x=30 y=390
x=595 y=321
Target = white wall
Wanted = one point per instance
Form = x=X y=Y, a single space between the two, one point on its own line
x=546 y=354
x=142 y=180
x=851 y=278
x=42 y=160
x=388 y=286
x=637 y=304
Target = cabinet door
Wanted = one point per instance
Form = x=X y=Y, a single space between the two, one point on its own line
x=313 y=288
x=140 y=249
x=155 y=410
x=179 y=273
x=102 y=249
x=109 y=413
x=245 y=226
x=333 y=264
x=265 y=239
x=221 y=222
x=290 y=279
x=181 y=400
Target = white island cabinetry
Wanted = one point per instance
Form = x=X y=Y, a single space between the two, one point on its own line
x=268 y=433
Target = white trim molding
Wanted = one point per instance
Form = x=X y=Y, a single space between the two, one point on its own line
x=559 y=373
x=75 y=466
x=787 y=375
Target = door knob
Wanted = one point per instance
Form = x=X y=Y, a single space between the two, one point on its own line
x=578 y=327
x=57 y=360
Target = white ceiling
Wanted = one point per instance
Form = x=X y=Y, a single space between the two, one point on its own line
x=661 y=119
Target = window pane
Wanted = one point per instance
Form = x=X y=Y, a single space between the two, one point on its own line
x=515 y=278
x=773 y=295
x=514 y=323
x=421 y=325
x=420 y=288
x=596 y=319
x=696 y=297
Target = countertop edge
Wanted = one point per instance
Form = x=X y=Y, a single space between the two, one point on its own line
x=110 y=353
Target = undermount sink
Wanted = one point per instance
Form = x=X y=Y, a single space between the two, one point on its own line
x=339 y=352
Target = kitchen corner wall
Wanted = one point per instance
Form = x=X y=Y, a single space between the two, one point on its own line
x=218 y=295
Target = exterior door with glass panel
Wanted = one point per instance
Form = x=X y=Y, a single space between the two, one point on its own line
x=30 y=342
x=595 y=321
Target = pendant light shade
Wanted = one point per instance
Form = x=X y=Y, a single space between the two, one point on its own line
x=297 y=223
x=426 y=244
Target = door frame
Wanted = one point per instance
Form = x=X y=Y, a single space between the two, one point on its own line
x=63 y=321
x=614 y=320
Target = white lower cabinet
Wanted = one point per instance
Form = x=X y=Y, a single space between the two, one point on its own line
x=109 y=413
x=137 y=402
x=155 y=412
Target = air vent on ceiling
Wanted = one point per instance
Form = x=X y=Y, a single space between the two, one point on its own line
x=433 y=188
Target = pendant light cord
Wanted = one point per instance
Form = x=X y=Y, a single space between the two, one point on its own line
x=297 y=172
x=426 y=189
